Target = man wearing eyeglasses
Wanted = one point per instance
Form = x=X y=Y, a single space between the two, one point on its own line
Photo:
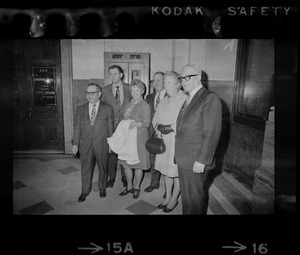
x=198 y=128
x=92 y=126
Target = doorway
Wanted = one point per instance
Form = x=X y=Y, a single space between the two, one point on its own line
x=135 y=65
x=37 y=96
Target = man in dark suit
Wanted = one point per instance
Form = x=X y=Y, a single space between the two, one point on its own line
x=92 y=126
x=117 y=94
x=198 y=131
x=153 y=100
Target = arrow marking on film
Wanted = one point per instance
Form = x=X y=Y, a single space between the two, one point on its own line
x=240 y=247
x=95 y=249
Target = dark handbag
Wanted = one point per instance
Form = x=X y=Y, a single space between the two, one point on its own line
x=155 y=145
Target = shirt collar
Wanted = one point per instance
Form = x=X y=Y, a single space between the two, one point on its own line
x=195 y=91
x=97 y=104
x=162 y=93
x=120 y=86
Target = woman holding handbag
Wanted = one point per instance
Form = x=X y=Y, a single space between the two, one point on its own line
x=165 y=122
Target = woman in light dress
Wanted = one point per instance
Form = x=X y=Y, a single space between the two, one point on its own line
x=164 y=121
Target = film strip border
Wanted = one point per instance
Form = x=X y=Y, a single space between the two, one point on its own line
x=106 y=22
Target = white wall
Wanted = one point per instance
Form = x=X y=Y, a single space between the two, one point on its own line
x=216 y=56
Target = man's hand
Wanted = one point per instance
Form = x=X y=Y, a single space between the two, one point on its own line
x=198 y=168
x=74 y=149
x=165 y=129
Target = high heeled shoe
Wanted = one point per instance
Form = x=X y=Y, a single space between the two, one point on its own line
x=168 y=210
x=161 y=206
x=126 y=191
x=136 y=193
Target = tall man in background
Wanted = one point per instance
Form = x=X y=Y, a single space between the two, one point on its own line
x=198 y=131
x=92 y=126
x=153 y=100
x=116 y=94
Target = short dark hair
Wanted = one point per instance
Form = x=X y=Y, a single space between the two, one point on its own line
x=116 y=67
x=97 y=85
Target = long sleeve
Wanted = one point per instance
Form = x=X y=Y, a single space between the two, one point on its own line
x=76 y=130
x=146 y=119
x=110 y=121
x=212 y=125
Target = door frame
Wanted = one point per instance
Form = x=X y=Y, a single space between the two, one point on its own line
x=67 y=92
x=145 y=59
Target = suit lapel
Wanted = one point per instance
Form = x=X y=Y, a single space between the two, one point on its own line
x=99 y=112
x=195 y=100
x=184 y=112
x=152 y=100
x=86 y=115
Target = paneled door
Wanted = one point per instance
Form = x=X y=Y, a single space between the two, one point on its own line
x=37 y=96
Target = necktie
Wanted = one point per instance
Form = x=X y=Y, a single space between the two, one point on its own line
x=157 y=101
x=118 y=97
x=93 y=114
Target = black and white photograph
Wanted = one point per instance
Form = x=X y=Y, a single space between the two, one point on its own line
x=160 y=119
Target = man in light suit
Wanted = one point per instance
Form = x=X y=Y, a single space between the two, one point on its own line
x=92 y=126
x=117 y=94
x=153 y=100
x=198 y=131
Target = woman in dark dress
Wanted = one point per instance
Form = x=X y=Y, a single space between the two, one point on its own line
x=139 y=111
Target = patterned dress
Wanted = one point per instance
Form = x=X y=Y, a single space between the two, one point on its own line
x=167 y=113
x=140 y=112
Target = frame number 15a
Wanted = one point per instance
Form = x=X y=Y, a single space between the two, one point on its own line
x=118 y=247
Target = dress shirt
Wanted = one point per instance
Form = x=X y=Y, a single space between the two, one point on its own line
x=91 y=107
x=114 y=90
x=161 y=95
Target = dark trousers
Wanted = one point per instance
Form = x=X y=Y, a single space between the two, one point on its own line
x=155 y=175
x=112 y=167
x=88 y=163
x=194 y=194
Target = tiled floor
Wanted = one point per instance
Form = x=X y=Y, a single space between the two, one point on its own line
x=50 y=185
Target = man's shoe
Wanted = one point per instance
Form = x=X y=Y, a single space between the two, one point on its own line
x=124 y=181
x=82 y=197
x=151 y=188
x=110 y=184
x=102 y=193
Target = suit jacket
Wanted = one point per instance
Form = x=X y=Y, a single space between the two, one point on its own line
x=150 y=100
x=109 y=98
x=198 y=130
x=87 y=136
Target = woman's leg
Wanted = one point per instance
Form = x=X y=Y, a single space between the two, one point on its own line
x=169 y=185
x=138 y=176
x=176 y=192
x=129 y=176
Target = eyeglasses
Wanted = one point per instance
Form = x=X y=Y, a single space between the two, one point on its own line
x=91 y=93
x=188 y=77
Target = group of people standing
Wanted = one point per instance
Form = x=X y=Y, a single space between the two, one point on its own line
x=185 y=114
